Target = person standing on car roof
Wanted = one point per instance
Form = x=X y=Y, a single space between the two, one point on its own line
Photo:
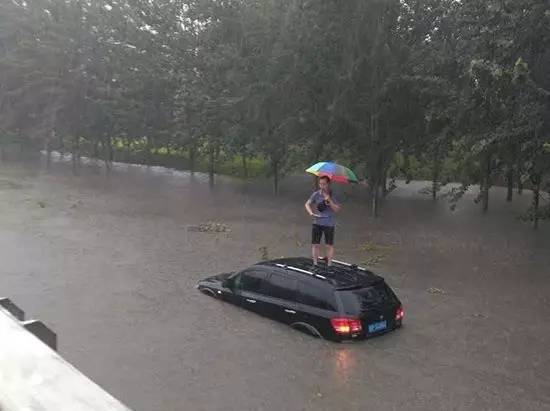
x=322 y=206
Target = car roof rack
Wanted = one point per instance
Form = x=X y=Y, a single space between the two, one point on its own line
x=340 y=274
x=345 y=264
x=289 y=267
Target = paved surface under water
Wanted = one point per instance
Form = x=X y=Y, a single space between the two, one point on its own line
x=110 y=264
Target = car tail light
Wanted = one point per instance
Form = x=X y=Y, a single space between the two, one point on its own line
x=399 y=313
x=346 y=325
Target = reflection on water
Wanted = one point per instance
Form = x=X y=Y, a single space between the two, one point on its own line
x=344 y=363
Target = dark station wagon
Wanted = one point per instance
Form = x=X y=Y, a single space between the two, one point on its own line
x=341 y=302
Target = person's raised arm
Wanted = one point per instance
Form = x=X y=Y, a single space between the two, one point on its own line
x=333 y=204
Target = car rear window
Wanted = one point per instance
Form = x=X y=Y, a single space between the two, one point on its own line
x=359 y=300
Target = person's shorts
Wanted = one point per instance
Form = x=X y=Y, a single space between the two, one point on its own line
x=317 y=232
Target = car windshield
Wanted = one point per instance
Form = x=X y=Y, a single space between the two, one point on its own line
x=359 y=300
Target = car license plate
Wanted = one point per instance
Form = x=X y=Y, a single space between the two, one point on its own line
x=381 y=325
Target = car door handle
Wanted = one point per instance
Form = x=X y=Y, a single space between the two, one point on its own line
x=290 y=311
x=251 y=301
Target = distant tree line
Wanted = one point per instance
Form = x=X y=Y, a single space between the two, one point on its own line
x=376 y=84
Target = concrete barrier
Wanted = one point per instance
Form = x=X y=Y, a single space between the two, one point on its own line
x=34 y=377
x=12 y=308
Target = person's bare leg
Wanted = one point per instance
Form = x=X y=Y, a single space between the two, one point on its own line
x=315 y=253
x=330 y=254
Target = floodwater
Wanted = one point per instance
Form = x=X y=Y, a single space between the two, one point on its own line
x=108 y=261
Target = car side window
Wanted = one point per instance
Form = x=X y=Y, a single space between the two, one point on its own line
x=318 y=297
x=280 y=286
x=250 y=280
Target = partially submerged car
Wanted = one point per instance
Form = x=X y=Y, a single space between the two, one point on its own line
x=338 y=302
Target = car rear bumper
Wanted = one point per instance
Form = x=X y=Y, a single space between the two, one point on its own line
x=366 y=335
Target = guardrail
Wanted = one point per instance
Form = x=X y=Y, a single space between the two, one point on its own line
x=34 y=377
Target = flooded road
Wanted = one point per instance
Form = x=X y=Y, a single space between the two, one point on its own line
x=110 y=264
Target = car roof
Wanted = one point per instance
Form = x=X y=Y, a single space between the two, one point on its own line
x=340 y=275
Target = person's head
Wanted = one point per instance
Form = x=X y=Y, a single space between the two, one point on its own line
x=324 y=183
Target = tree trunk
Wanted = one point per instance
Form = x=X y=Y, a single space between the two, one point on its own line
x=211 y=158
x=75 y=153
x=218 y=149
x=510 y=184
x=192 y=158
x=245 y=166
x=107 y=152
x=128 y=150
x=486 y=184
x=61 y=146
x=110 y=149
x=436 y=170
x=148 y=151
x=536 y=200
x=95 y=153
x=275 y=169
x=517 y=174
x=49 y=150
x=375 y=191
x=407 y=168
x=384 y=183
x=485 y=199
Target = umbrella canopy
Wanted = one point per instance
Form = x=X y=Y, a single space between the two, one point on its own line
x=335 y=172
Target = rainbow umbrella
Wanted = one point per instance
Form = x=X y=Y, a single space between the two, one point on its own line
x=335 y=172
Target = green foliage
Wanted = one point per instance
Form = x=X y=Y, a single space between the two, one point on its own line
x=436 y=90
x=256 y=167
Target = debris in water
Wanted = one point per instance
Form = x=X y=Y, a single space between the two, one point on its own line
x=210 y=227
x=77 y=204
x=369 y=246
x=379 y=253
x=374 y=260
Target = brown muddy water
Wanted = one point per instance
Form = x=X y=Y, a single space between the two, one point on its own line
x=110 y=263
